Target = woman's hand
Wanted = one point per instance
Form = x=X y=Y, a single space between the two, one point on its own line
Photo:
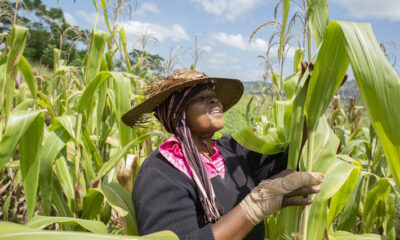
x=280 y=191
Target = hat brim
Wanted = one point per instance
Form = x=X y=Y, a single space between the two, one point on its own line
x=228 y=91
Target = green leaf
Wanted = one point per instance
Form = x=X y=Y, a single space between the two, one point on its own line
x=58 y=200
x=53 y=144
x=324 y=150
x=97 y=46
x=13 y=231
x=114 y=159
x=65 y=177
x=349 y=214
x=40 y=222
x=296 y=134
x=248 y=139
x=127 y=59
x=85 y=103
x=92 y=204
x=104 y=6
x=68 y=123
x=122 y=89
x=285 y=14
x=341 y=235
x=29 y=150
x=121 y=201
x=298 y=58
x=90 y=146
x=290 y=85
x=380 y=191
x=319 y=18
x=282 y=114
x=340 y=198
x=26 y=71
x=337 y=175
x=19 y=35
x=330 y=68
x=379 y=87
x=18 y=124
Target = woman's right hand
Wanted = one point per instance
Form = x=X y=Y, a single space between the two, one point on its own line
x=280 y=191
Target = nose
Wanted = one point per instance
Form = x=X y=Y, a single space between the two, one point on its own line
x=214 y=100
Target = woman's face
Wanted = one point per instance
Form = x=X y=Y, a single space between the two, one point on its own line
x=204 y=114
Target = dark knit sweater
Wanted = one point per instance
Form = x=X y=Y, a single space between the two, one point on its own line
x=166 y=199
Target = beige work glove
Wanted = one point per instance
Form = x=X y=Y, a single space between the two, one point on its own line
x=266 y=198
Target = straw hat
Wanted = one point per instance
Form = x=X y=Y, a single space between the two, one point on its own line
x=228 y=91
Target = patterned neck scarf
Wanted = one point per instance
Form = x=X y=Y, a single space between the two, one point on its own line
x=171 y=114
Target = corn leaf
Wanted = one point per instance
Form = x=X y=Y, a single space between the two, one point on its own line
x=341 y=235
x=18 y=125
x=120 y=200
x=285 y=14
x=26 y=71
x=97 y=46
x=338 y=174
x=330 y=68
x=19 y=35
x=122 y=89
x=114 y=159
x=290 y=215
x=268 y=144
x=68 y=123
x=58 y=200
x=13 y=231
x=325 y=147
x=86 y=99
x=92 y=204
x=319 y=18
x=127 y=59
x=65 y=177
x=340 y=198
x=350 y=212
x=30 y=147
x=380 y=192
x=40 y=222
x=53 y=144
x=298 y=58
x=296 y=133
x=379 y=87
x=290 y=85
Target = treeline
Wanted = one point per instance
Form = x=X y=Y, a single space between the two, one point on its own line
x=48 y=29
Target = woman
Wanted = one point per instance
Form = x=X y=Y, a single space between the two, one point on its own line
x=205 y=189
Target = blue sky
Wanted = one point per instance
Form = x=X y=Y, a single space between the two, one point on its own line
x=223 y=28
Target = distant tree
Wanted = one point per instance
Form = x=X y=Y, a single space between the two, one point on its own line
x=47 y=31
x=142 y=60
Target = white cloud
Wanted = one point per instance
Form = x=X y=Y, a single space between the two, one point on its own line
x=146 y=7
x=239 y=42
x=88 y=17
x=383 y=9
x=175 y=32
x=206 y=48
x=228 y=9
x=70 y=19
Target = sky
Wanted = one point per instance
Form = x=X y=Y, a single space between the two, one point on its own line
x=223 y=28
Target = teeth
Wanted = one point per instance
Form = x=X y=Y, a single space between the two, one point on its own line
x=215 y=111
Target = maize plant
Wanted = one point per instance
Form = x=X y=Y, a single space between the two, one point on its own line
x=65 y=155
x=361 y=164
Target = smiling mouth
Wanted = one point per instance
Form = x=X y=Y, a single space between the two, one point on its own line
x=216 y=111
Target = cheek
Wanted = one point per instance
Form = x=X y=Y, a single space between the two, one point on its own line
x=196 y=118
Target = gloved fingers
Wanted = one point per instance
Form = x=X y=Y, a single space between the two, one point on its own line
x=303 y=191
x=296 y=180
x=283 y=173
x=295 y=201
